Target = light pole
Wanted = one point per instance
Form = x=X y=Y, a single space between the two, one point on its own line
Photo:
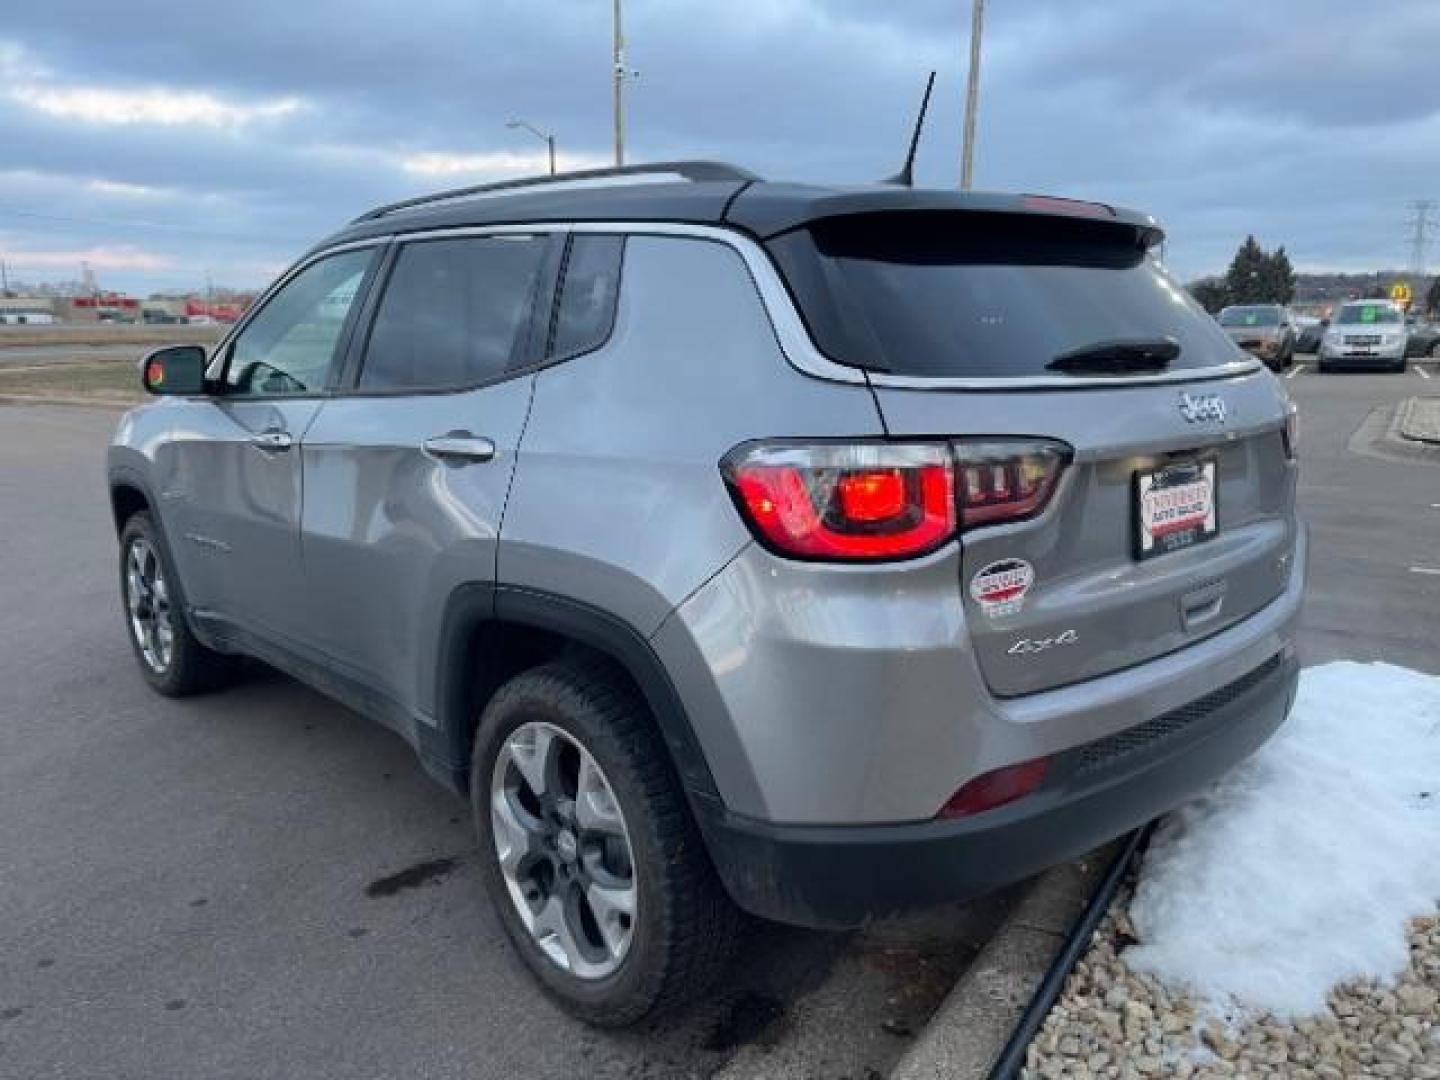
x=972 y=93
x=548 y=139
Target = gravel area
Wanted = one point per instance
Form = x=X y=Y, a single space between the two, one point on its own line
x=1113 y=1022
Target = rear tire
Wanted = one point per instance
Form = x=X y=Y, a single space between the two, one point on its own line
x=171 y=659
x=1434 y=352
x=578 y=727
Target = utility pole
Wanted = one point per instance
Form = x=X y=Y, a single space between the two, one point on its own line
x=619 y=58
x=972 y=93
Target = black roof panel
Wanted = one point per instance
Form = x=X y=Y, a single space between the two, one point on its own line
x=760 y=208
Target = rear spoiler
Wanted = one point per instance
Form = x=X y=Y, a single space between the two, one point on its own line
x=768 y=210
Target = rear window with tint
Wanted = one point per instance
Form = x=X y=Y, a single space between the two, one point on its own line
x=981 y=295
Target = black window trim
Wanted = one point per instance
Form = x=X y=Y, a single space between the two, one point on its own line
x=528 y=356
x=225 y=348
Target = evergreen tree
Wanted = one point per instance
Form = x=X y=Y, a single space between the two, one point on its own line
x=1279 y=277
x=1257 y=276
x=1245 y=281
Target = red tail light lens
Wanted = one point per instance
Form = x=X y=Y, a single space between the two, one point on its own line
x=848 y=502
x=873 y=501
x=996 y=788
x=1006 y=481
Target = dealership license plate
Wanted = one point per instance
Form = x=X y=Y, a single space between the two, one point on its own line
x=1174 y=508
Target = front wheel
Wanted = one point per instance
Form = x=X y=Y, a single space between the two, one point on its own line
x=588 y=848
x=172 y=661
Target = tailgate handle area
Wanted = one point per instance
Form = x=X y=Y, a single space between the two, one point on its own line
x=1201 y=605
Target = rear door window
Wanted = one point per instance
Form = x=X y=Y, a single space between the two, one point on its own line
x=455 y=312
x=984 y=295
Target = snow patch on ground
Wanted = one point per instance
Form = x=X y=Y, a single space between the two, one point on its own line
x=1300 y=869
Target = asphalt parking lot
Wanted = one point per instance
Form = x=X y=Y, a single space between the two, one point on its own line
x=260 y=884
x=219 y=887
x=1374 y=514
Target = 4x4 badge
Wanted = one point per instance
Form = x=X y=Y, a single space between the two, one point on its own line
x=1000 y=587
x=1197 y=408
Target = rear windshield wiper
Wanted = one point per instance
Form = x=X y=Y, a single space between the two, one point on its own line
x=1118 y=357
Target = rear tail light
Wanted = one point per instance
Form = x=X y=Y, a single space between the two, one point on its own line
x=1006 y=481
x=858 y=501
x=996 y=788
x=1291 y=433
x=876 y=501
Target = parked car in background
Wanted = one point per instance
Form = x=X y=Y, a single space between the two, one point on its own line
x=1265 y=330
x=1365 y=333
x=734 y=544
x=1423 y=339
x=1311 y=331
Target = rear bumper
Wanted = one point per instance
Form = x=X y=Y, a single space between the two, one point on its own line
x=845 y=876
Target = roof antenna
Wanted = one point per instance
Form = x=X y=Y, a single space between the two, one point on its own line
x=906 y=176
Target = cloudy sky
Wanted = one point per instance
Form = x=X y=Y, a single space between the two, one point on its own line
x=162 y=141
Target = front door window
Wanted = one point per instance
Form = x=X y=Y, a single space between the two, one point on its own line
x=289 y=346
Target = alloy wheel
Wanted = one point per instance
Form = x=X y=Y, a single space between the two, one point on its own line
x=147 y=600
x=564 y=850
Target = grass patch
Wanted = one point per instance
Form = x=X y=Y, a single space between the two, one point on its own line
x=110 y=382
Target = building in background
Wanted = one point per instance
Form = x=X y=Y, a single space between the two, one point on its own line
x=27 y=311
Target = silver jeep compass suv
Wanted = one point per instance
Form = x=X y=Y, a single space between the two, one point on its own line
x=812 y=552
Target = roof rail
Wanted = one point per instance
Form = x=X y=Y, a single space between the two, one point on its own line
x=694 y=171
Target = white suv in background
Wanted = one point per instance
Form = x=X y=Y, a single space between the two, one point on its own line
x=1365 y=333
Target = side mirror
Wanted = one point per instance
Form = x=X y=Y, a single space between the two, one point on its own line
x=175 y=369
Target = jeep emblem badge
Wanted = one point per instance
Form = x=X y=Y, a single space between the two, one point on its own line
x=1198 y=408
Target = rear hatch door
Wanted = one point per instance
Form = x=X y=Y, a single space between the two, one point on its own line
x=1173 y=517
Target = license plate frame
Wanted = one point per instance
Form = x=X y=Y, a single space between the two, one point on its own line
x=1190 y=517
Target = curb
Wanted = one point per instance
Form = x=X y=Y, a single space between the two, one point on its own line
x=973 y=1026
x=1419 y=420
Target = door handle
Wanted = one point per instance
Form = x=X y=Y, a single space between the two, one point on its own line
x=459 y=446
x=272 y=440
